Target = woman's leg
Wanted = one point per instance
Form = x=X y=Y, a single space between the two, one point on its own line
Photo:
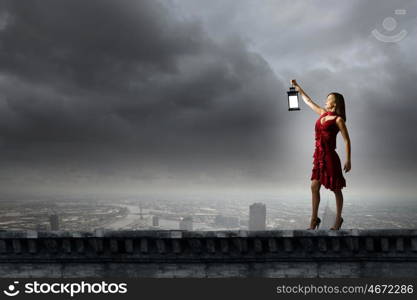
x=339 y=206
x=315 y=193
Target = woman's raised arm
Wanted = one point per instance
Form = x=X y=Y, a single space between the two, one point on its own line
x=318 y=109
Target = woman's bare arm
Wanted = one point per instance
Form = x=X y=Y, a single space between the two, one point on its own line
x=343 y=130
x=318 y=109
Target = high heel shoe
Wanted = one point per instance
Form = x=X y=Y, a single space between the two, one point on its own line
x=316 y=224
x=340 y=225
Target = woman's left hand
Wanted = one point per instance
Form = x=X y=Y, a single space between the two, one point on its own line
x=295 y=84
x=347 y=166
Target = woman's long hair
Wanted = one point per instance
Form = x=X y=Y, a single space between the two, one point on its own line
x=340 y=105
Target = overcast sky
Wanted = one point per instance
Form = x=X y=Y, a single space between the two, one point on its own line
x=126 y=96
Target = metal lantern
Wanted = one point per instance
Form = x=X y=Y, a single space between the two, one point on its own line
x=293 y=103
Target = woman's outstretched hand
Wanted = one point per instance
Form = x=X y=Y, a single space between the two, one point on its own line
x=295 y=84
x=347 y=166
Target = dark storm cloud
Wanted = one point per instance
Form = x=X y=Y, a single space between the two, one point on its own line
x=95 y=44
x=126 y=89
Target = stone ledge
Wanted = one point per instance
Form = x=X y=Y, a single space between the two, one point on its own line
x=175 y=245
x=176 y=253
x=202 y=234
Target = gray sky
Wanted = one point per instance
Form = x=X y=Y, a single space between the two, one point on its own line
x=180 y=95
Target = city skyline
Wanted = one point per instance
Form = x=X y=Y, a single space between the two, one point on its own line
x=194 y=215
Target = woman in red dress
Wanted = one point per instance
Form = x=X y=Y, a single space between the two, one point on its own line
x=327 y=170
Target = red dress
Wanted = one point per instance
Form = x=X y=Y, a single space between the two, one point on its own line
x=327 y=168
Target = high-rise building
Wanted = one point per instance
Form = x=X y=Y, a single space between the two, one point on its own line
x=54 y=221
x=257 y=216
x=141 y=214
x=155 y=221
x=186 y=223
x=329 y=217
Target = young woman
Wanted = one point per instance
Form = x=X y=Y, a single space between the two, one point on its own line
x=327 y=168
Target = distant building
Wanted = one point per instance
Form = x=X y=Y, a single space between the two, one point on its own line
x=257 y=216
x=226 y=221
x=329 y=217
x=42 y=227
x=140 y=213
x=54 y=221
x=186 y=223
x=155 y=221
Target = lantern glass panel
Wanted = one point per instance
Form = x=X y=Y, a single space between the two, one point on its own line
x=293 y=101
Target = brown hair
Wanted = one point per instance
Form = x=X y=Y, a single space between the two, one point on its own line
x=340 y=105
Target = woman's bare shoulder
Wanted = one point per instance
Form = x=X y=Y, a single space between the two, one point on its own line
x=340 y=122
x=339 y=119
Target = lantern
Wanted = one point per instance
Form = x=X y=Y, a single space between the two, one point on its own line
x=293 y=103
